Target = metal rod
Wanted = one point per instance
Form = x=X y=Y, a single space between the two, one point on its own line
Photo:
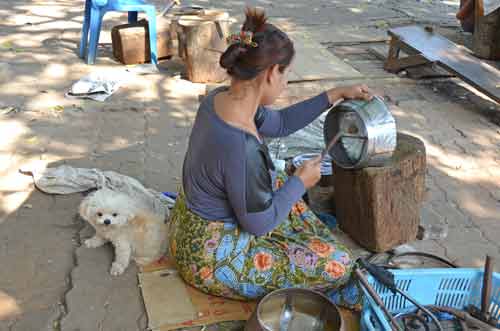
x=486 y=291
x=377 y=299
x=468 y=318
x=169 y=6
x=422 y=308
x=331 y=144
x=335 y=139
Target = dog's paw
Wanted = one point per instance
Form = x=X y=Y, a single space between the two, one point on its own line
x=117 y=269
x=93 y=242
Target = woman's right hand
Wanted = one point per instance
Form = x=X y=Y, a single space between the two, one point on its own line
x=310 y=172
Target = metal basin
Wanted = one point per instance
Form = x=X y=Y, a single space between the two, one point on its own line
x=295 y=310
x=370 y=131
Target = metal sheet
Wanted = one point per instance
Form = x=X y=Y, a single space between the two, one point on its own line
x=373 y=128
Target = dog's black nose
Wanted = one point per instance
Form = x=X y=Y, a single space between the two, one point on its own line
x=107 y=222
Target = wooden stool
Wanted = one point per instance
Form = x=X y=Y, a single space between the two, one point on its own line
x=425 y=46
x=380 y=207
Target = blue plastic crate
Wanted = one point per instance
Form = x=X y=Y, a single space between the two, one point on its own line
x=456 y=288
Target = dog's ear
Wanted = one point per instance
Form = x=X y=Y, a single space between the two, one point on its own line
x=138 y=220
x=130 y=216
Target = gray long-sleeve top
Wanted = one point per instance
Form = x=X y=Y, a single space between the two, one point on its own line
x=227 y=171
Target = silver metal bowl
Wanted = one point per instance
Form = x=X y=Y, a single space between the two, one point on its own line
x=326 y=163
x=295 y=310
x=370 y=131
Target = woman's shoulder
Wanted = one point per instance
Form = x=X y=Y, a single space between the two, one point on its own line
x=207 y=101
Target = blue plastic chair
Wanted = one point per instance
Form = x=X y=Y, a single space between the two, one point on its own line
x=94 y=12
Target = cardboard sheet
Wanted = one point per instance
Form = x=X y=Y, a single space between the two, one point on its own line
x=172 y=304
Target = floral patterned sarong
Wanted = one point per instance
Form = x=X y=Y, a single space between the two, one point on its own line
x=220 y=259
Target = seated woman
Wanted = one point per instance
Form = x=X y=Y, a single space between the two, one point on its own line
x=241 y=230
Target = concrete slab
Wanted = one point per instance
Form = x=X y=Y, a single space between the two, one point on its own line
x=37 y=246
x=99 y=301
x=314 y=61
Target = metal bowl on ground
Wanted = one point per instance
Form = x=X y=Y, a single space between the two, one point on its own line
x=369 y=129
x=295 y=310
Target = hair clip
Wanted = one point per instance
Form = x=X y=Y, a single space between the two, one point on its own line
x=244 y=38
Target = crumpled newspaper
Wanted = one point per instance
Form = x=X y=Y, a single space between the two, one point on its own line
x=98 y=85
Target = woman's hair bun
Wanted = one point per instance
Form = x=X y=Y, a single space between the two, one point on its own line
x=255 y=20
x=258 y=46
x=229 y=58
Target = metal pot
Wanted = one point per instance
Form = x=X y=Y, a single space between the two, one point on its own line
x=294 y=309
x=369 y=129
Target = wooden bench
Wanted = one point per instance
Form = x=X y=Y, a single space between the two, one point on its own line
x=424 y=46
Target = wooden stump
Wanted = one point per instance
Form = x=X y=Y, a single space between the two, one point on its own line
x=131 y=41
x=486 y=39
x=380 y=207
x=202 y=40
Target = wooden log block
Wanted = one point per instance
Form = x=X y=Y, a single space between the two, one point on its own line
x=173 y=41
x=380 y=207
x=131 y=41
x=202 y=40
x=486 y=39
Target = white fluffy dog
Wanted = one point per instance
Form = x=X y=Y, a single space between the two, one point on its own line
x=134 y=231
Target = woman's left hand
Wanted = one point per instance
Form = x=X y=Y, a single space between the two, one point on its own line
x=360 y=91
